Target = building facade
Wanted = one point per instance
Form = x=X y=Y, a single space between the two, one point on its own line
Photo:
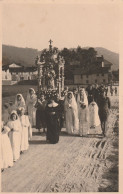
x=91 y=78
x=100 y=73
x=17 y=73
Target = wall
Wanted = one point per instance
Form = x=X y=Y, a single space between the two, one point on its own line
x=24 y=76
x=91 y=79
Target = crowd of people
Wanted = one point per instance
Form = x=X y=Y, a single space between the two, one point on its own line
x=78 y=111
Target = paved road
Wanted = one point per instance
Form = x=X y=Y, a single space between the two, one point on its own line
x=75 y=164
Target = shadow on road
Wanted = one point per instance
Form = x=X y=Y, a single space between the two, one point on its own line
x=38 y=142
x=99 y=136
x=38 y=133
x=62 y=133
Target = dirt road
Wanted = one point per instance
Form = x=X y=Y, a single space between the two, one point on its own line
x=75 y=164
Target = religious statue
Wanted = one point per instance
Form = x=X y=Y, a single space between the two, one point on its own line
x=50 y=69
x=50 y=77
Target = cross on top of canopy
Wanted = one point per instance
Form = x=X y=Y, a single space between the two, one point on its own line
x=50 y=68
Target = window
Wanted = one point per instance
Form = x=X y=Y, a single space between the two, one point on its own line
x=95 y=80
x=87 y=81
x=87 y=76
x=81 y=76
x=97 y=74
x=104 y=80
x=102 y=74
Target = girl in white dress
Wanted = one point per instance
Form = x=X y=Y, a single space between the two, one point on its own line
x=93 y=115
x=19 y=101
x=82 y=97
x=71 y=114
x=6 y=150
x=82 y=103
x=30 y=106
x=26 y=128
x=15 y=134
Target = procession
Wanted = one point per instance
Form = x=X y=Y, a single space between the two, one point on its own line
x=60 y=97
x=78 y=111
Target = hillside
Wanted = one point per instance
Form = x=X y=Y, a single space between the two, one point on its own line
x=26 y=56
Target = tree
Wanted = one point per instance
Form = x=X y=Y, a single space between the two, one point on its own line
x=5 y=60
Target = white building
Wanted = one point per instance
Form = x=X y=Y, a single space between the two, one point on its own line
x=17 y=73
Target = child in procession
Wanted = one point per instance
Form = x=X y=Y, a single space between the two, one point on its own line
x=15 y=134
x=93 y=115
x=26 y=132
x=6 y=150
x=83 y=119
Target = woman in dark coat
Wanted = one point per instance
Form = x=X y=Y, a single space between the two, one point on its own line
x=52 y=119
x=104 y=107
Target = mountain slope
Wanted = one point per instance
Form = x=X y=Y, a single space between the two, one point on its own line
x=26 y=56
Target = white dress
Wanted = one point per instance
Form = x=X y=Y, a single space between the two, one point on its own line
x=15 y=137
x=83 y=121
x=6 y=149
x=25 y=132
x=71 y=117
x=19 y=104
x=30 y=103
x=93 y=115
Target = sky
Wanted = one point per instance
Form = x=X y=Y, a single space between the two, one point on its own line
x=68 y=25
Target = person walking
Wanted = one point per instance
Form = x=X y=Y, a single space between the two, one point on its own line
x=40 y=113
x=30 y=106
x=15 y=134
x=52 y=121
x=71 y=114
x=104 y=110
x=26 y=128
x=83 y=119
x=19 y=101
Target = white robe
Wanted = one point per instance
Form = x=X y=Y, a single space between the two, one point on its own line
x=25 y=132
x=71 y=118
x=15 y=137
x=83 y=121
x=30 y=103
x=19 y=105
x=6 y=149
x=93 y=115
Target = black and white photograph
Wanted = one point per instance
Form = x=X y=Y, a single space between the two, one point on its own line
x=60 y=96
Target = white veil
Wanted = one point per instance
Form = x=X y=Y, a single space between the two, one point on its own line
x=73 y=104
x=28 y=94
x=22 y=100
x=85 y=98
